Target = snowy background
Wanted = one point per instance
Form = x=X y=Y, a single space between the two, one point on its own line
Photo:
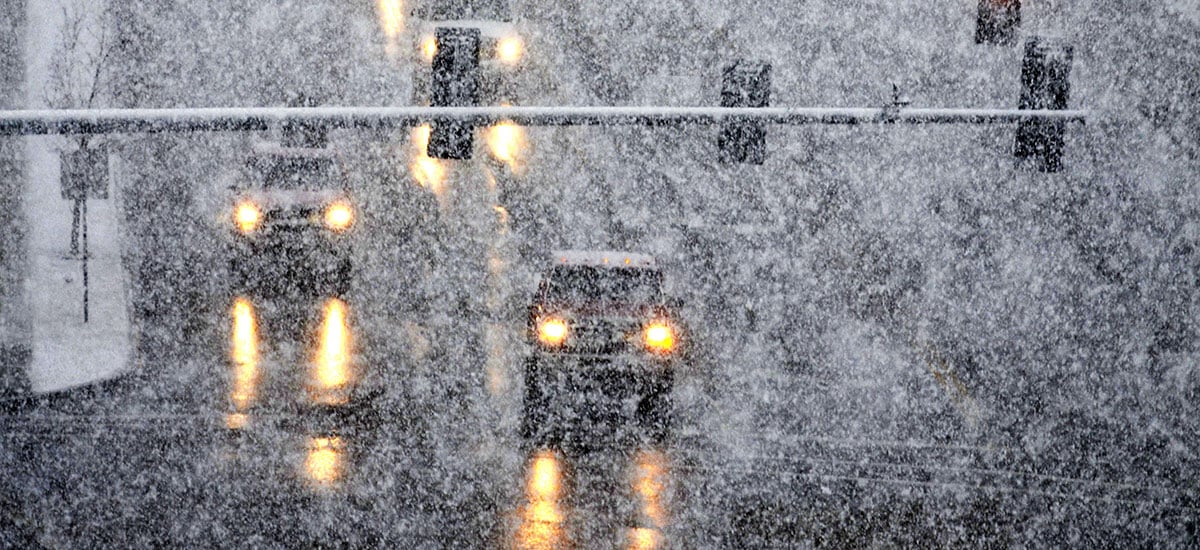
x=903 y=337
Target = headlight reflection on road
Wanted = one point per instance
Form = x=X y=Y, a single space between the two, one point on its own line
x=332 y=363
x=642 y=538
x=542 y=517
x=649 y=484
x=236 y=421
x=244 y=355
x=323 y=465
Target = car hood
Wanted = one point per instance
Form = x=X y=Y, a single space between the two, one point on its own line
x=487 y=28
x=606 y=309
x=293 y=198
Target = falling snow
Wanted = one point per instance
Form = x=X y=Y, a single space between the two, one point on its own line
x=889 y=332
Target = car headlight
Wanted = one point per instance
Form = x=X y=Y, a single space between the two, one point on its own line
x=247 y=216
x=339 y=216
x=552 y=331
x=509 y=49
x=428 y=48
x=659 y=337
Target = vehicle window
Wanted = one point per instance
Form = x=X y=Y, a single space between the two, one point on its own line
x=440 y=10
x=591 y=284
x=301 y=174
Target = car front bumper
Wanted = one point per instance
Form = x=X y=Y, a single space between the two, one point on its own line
x=570 y=378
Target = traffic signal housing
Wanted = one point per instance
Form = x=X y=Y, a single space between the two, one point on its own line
x=744 y=83
x=1045 y=84
x=997 y=22
x=455 y=84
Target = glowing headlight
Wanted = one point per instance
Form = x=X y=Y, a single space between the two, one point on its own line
x=552 y=332
x=429 y=48
x=659 y=337
x=339 y=216
x=509 y=49
x=506 y=141
x=247 y=216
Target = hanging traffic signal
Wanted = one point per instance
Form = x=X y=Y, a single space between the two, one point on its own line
x=455 y=84
x=997 y=22
x=1045 y=84
x=744 y=84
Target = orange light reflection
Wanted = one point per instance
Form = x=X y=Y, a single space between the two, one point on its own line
x=642 y=538
x=542 y=517
x=323 y=464
x=236 y=421
x=244 y=355
x=332 y=365
x=649 y=483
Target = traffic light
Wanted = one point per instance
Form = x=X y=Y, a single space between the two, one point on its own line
x=1045 y=84
x=744 y=84
x=997 y=22
x=455 y=84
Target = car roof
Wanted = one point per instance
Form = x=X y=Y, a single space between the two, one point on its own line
x=602 y=258
x=275 y=149
x=488 y=27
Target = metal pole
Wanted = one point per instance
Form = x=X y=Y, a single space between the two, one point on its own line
x=85 y=257
x=74 y=253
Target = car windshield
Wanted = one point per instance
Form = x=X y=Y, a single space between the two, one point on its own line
x=580 y=284
x=452 y=10
x=300 y=173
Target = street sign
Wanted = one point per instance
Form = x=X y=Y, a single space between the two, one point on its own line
x=84 y=174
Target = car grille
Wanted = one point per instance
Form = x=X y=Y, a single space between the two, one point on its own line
x=300 y=214
x=602 y=336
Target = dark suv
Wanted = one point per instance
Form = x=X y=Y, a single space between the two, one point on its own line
x=606 y=343
x=290 y=222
